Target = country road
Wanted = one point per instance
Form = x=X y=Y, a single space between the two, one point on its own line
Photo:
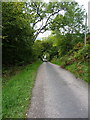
x=58 y=94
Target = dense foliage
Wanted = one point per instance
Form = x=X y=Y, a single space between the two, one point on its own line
x=17 y=34
x=22 y=23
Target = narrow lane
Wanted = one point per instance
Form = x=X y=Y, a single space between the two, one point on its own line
x=58 y=94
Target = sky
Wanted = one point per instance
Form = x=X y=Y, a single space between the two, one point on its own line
x=81 y=2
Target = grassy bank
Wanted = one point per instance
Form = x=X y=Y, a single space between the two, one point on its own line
x=76 y=61
x=79 y=69
x=17 y=91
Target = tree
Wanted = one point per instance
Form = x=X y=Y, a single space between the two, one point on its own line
x=44 y=13
x=71 y=21
x=22 y=23
x=17 y=34
x=38 y=50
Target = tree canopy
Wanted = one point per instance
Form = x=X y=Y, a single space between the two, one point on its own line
x=24 y=21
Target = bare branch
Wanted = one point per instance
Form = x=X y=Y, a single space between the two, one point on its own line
x=46 y=24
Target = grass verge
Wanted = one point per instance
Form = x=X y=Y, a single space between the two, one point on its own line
x=17 y=92
x=76 y=61
x=79 y=69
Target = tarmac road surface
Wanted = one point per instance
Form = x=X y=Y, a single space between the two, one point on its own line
x=58 y=94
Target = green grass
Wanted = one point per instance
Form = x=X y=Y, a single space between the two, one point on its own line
x=10 y=72
x=17 y=92
x=56 y=61
x=79 y=69
x=79 y=73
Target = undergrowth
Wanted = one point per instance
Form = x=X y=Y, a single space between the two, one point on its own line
x=76 y=61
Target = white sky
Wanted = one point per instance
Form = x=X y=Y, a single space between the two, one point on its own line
x=81 y=2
